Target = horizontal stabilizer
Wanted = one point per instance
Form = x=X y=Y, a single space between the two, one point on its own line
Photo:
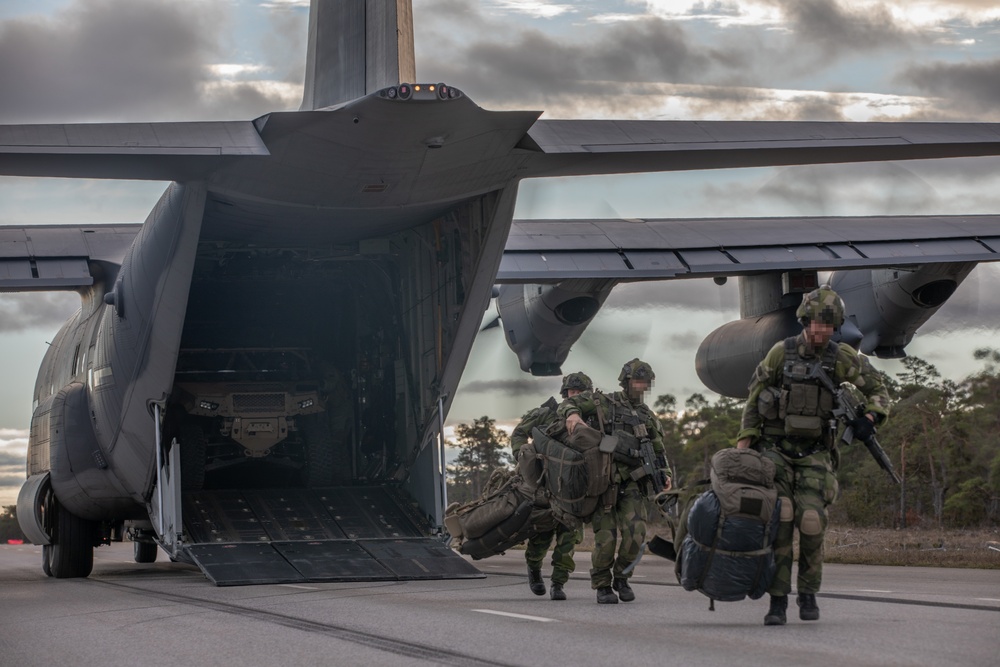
x=582 y=147
x=128 y=151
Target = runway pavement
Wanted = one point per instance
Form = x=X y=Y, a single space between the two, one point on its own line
x=131 y=614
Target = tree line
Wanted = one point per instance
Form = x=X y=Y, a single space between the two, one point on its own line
x=943 y=438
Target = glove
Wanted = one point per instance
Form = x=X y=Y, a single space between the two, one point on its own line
x=863 y=428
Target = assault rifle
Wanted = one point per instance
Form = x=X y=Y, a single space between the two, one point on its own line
x=650 y=466
x=849 y=409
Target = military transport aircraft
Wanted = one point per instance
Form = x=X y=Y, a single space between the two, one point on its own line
x=258 y=375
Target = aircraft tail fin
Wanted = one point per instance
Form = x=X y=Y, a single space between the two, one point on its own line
x=357 y=47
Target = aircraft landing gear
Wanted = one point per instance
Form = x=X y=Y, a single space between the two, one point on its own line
x=72 y=550
x=144 y=552
x=47 y=560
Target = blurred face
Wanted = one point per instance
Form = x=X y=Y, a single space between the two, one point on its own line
x=570 y=393
x=818 y=333
x=636 y=388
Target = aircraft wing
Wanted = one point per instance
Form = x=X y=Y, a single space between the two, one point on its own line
x=540 y=251
x=56 y=257
x=582 y=147
x=130 y=151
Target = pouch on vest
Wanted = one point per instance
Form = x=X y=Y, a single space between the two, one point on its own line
x=768 y=403
x=804 y=426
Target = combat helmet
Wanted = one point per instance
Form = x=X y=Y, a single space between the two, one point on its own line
x=822 y=305
x=577 y=381
x=635 y=370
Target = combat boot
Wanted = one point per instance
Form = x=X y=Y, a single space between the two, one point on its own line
x=808 y=611
x=776 y=614
x=535 y=582
x=606 y=596
x=624 y=591
x=556 y=592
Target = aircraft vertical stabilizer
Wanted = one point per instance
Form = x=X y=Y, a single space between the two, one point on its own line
x=357 y=47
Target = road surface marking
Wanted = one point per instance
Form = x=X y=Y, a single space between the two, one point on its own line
x=305 y=588
x=525 y=617
x=872 y=590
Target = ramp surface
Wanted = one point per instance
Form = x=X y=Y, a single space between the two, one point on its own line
x=269 y=536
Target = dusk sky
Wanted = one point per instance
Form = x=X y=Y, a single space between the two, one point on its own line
x=895 y=60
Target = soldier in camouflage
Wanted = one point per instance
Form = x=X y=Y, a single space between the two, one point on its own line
x=566 y=539
x=788 y=418
x=622 y=411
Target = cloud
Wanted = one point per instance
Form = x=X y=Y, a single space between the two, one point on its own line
x=43 y=310
x=959 y=85
x=833 y=28
x=512 y=387
x=123 y=60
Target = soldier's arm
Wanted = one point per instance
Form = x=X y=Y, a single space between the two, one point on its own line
x=582 y=405
x=856 y=369
x=519 y=436
x=767 y=374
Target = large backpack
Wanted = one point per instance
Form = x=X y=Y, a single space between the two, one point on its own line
x=573 y=469
x=726 y=535
x=510 y=511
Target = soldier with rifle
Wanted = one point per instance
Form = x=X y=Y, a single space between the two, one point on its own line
x=791 y=417
x=639 y=471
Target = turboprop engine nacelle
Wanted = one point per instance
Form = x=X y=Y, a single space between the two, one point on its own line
x=541 y=322
x=884 y=308
x=889 y=305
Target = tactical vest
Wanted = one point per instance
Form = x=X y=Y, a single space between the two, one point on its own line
x=805 y=405
x=626 y=418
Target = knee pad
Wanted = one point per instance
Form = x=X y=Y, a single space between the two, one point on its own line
x=787 y=510
x=812 y=523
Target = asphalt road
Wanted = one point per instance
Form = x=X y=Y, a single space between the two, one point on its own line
x=131 y=614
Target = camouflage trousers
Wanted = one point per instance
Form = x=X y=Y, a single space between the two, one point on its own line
x=628 y=516
x=806 y=487
x=562 y=555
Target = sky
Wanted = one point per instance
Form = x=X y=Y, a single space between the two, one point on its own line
x=863 y=60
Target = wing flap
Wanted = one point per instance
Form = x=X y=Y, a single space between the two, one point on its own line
x=539 y=251
x=57 y=257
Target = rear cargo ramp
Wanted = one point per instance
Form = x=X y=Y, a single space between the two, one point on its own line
x=271 y=536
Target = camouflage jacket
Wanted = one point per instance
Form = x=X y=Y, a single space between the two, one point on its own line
x=848 y=367
x=540 y=417
x=589 y=403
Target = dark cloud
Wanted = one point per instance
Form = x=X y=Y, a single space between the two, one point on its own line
x=833 y=28
x=40 y=310
x=9 y=458
x=512 y=387
x=119 y=60
x=963 y=86
x=12 y=480
x=536 y=68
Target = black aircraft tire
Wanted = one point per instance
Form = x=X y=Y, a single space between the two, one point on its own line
x=192 y=441
x=320 y=457
x=144 y=552
x=73 y=549
x=47 y=560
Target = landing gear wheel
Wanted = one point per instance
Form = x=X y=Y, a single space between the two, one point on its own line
x=47 y=560
x=73 y=548
x=144 y=552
